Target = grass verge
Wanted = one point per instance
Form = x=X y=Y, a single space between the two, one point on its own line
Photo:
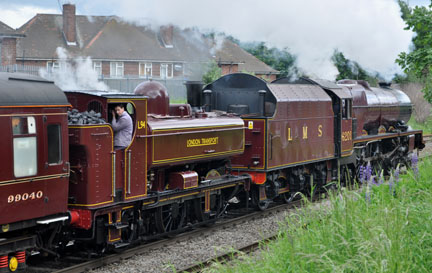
x=379 y=228
x=426 y=127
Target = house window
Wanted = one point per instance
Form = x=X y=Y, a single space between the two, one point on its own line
x=54 y=143
x=24 y=146
x=97 y=66
x=166 y=71
x=145 y=70
x=53 y=66
x=117 y=69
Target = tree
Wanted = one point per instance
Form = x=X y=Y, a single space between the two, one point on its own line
x=352 y=70
x=213 y=72
x=419 y=60
x=278 y=59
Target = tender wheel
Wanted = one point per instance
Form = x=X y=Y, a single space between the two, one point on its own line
x=170 y=217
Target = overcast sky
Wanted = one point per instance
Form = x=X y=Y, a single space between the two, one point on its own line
x=16 y=13
x=370 y=32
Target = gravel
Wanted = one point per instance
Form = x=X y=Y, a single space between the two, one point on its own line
x=186 y=253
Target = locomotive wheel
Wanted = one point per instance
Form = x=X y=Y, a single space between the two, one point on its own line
x=129 y=234
x=287 y=197
x=170 y=217
x=260 y=205
x=216 y=207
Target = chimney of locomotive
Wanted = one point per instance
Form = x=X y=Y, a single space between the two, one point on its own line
x=193 y=91
x=261 y=101
x=167 y=33
x=69 y=23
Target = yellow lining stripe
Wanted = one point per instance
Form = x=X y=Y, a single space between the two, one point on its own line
x=31 y=114
x=126 y=177
x=204 y=127
x=35 y=106
x=36 y=178
x=112 y=162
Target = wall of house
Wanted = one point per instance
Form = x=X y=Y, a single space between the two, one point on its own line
x=268 y=78
x=156 y=70
x=131 y=68
x=106 y=69
x=32 y=63
x=229 y=68
x=8 y=51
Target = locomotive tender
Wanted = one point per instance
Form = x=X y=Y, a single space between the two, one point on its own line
x=239 y=140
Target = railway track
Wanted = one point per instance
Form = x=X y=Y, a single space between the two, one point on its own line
x=229 y=256
x=427 y=137
x=72 y=264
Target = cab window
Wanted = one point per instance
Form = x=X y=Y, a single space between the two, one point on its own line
x=24 y=146
x=346 y=109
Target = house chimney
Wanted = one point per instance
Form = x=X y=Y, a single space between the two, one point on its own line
x=69 y=24
x=167 y=35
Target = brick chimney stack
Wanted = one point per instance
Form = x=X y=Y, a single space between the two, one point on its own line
x=69 y=23
x=167 y=35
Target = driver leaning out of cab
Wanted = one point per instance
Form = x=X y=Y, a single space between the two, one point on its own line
x=122 y=126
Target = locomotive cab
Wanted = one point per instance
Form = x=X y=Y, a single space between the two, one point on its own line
x=100 y=174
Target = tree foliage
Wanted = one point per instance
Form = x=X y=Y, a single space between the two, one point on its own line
x=418 y=62
x=352 y=70
x=213 y=72
x=278 y=59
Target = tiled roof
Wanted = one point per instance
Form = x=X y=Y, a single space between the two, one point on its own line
x=110 y=38
x=6 y=30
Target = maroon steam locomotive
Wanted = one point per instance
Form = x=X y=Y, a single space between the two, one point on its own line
x=241 y=140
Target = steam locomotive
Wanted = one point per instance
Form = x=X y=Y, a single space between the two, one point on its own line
x=239 y=141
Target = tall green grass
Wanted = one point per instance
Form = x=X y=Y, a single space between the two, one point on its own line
x=380 y=228
x=426 y=127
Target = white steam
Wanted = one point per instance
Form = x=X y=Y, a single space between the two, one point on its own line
x=73 y=73
x=369 y=32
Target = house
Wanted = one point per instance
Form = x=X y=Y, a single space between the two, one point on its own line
x=122 y=49
x=8 y=41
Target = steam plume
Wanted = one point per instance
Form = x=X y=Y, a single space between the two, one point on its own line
x=369 y=32
x=78 y=75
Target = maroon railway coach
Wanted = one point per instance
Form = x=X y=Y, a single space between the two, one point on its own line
x=35 y=162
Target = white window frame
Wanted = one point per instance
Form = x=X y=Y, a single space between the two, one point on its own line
x=117 y=65
x=25 y=164
x=97 y=66
x=52 y=66
x=166 y=70
x=147 y=66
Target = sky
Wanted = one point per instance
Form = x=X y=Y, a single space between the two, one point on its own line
x=367 y=31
